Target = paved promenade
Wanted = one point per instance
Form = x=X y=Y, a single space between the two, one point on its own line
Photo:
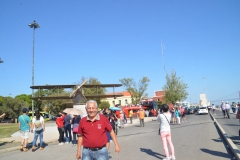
x=196 y=139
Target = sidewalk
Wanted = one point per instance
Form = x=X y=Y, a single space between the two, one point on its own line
x=50 y=135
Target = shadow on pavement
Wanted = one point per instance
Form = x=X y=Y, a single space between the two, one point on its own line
x=235 y=139
x=4 y=145
x=231 y=125
x=151 y=153
x=215 y=153
x=217 y=140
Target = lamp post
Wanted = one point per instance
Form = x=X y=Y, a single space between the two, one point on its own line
x=33 y=25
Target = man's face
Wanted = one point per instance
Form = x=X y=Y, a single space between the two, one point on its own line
x=91 y=109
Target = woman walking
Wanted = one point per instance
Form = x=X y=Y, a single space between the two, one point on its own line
x=75 y=122
x=122 y=119
x=178 y=115
x=39 y=126
x=165 y=132
x=60 y=126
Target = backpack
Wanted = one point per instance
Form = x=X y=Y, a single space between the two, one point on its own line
x=38 y=125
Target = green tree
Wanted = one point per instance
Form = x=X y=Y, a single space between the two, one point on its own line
x=26 y=98
x=13 y=107
x=1 y=100
x=175 y=89
x=104 y=104
x=56 y=105
x=136 y=90
x=93 y=91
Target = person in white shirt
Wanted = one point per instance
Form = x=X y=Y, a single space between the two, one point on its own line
x=38 y=126
x=213 y=109
x=223 y=109
x=227 y=109
x=165 y=132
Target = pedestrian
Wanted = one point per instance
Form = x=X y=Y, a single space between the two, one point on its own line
x=24 y=125
x=234 y=106
x=92 y=137
x=131 y=115
x=38 y=126
x=173 y=115
x=165 y=133
x=122 y=119
x=125 y=118
x=178 y=115
x=67 y=128
x=60 y=126
x=141 y=117
x=238 y=116
x=223 y=109
x=214 y=109
x=111 y=119
x=227 y=109
x=75 y=122
x=183 y=116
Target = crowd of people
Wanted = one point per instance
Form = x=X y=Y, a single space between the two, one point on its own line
x=93 y=141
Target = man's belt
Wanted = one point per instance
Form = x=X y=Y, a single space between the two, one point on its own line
x=95 y=149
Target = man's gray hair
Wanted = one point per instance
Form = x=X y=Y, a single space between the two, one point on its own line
x=91 y=101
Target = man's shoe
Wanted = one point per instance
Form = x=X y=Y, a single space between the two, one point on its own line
x=41 y=148
x=21 y=148
x=33 y=149
x=60 y=143
x=25 y=149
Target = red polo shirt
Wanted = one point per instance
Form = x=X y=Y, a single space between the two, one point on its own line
x=94 y=133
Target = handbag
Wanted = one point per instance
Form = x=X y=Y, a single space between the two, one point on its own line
x=75 y=128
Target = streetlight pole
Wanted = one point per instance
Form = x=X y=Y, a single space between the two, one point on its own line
x=33 y=25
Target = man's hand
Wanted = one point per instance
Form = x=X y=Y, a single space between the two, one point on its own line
x=78 y=156
x=117 y=148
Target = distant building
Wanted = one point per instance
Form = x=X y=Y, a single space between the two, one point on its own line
x=124 y=100
x=158 y=96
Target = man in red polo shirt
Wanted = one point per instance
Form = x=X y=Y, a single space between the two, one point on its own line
x=92 y=135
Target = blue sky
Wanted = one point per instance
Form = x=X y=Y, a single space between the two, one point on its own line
x=111 y=40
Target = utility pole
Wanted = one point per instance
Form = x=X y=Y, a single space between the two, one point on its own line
x=33 y=25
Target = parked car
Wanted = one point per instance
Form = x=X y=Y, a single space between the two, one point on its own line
x=7 y=120
x=196 y=109
x=190 y=110
x=202 y=110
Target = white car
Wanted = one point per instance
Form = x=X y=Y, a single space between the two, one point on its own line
x=202 y=110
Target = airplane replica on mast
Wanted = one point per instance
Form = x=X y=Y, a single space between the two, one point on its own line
x=77 y=95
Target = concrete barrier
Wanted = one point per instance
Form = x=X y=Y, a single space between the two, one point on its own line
x=232 y=146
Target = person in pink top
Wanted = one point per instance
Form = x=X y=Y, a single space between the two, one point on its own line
x=122 y=119
x=183 y=116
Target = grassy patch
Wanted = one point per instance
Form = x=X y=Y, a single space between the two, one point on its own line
x=7 y=129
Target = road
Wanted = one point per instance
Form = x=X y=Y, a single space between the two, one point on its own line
x=196 y=139
x=231 y=126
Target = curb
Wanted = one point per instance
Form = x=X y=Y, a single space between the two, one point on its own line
x=231 y=145
x=17 y=148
